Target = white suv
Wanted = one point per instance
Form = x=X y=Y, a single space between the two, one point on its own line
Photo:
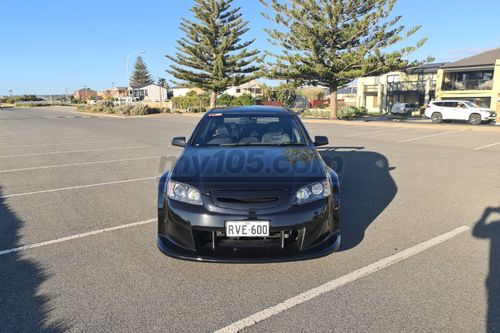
x=449 y=110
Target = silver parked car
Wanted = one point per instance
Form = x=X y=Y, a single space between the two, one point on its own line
x=403 y=108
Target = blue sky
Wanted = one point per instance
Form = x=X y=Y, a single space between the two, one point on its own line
x=47 y=46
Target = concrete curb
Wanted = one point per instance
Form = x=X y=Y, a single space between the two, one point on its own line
x=157 y=115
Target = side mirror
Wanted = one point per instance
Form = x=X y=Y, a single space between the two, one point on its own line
x=320 y=141
x=179 y=141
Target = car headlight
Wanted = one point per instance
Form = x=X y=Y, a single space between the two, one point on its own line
x=313 y=192
x=185 y=193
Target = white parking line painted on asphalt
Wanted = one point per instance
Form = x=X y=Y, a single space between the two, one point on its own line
x=74 y=151
x=374 y=132
x=84 y=163
x=76 y=187
x=430 y=136
x=490 y=145
x=65 y=239
x=59 y=144
x=339 y=282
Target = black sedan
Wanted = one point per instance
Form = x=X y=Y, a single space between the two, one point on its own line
x=249 y=186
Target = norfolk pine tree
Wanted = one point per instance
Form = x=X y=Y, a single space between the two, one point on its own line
x=212 y=55
x=332 y=42
x=140 y=75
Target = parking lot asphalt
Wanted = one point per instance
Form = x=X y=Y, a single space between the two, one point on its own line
x=420 y=210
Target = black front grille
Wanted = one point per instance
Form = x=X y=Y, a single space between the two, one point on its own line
x=247 y=199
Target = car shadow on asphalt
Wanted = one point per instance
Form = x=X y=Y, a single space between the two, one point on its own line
x=366 y=189
x=22 y=308
x=489 y=228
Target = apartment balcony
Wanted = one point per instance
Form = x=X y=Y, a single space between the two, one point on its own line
x=371 y=88
x=468 y=85
x=408 y=86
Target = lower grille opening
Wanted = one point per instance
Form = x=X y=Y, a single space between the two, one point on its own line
x=218 y=239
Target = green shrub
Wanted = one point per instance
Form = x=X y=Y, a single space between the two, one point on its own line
x=123 y=109
x=351 y=112
x=361 y=111
x=346 y=112
x=226 y=100
x=246 y=99
x=153 y=110
x=191 y=100
x=23 y=98
x=100 y=107
x=316 y=113
x=198 y=110
x=139 y=110
x=29 y=104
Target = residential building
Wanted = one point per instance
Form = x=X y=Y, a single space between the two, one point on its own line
x=113 y=93
x=119 y=92
x=475 y=78
x=150 y=93
x=347 y=95
x=253 y=88
x=416 y=85
x=181 y=91
x=84 y=94
x=105 y=94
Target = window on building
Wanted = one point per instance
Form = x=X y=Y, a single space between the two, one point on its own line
x=470 y=80
x=480 y=101
x=393 y=78
x=238 y=90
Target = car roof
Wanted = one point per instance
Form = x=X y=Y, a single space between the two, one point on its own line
x=450 y=100
x=252 y=109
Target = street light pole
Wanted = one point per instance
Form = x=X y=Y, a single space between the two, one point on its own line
x=128 y=74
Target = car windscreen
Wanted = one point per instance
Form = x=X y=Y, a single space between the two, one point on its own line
x=220 y=129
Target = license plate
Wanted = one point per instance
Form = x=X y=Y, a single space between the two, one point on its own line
x=247 y=228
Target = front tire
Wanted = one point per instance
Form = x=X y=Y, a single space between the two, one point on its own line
x=475 y=119
x=436 y=118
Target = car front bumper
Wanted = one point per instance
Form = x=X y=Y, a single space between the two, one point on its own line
x=300 y=232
